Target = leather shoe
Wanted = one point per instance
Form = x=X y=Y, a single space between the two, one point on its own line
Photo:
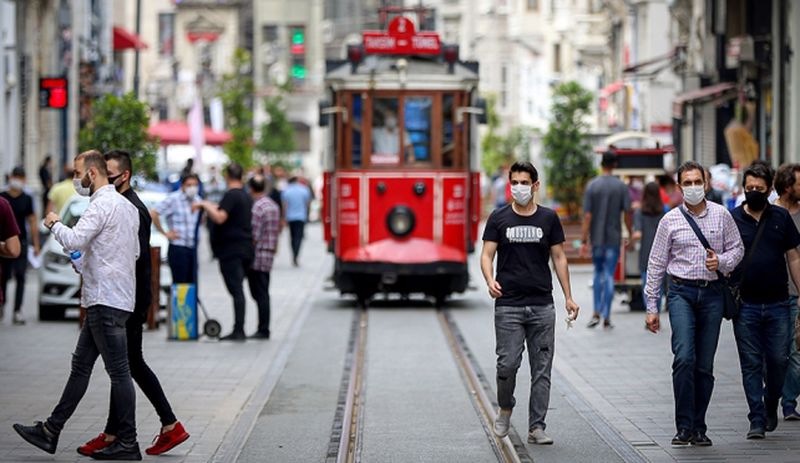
x=119 y=450
x=259 y=335
x=38 y=436
x=772 y=419
x=234 y=337
x=701 y=440
x=683 y=437
x=755 y=432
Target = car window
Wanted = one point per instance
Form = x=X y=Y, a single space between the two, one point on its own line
x=74 y=212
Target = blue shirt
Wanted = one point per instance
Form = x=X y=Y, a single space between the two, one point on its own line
x=296 y=197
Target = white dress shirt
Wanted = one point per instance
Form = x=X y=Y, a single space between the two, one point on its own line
x=106 y=236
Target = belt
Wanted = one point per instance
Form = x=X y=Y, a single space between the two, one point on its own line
x=696 y=283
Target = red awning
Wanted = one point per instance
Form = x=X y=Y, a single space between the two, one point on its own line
x=717 y=93
x=609 y=90
x=124 y=40
x=177 y=133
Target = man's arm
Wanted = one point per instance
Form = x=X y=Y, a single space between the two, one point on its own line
x=215 y=213
x=793 y=259
x=34 y=226
x=487 y=268
x=585 y=227
x=84 y=231
x=559 y=258
x=733 y=248
x=156 y=218
x=10 y=247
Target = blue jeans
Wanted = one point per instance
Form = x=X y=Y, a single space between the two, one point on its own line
x=514 y=327
x=791 y=385
x=605 y=260
x=695 y=314
x=762 y=335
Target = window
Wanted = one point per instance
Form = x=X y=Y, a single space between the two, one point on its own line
x=556 y=57
x=417 y=119
x=269 y=33
x=448 y=136
x=386 y=136
x=166 y=34
x=503 y=86
x=355 y=131
x=533 y=5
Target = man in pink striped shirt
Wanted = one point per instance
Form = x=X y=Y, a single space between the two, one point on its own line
x=695 y=298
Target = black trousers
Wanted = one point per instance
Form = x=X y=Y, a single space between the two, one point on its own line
x=144 y=377
x=296 y=228
x=259 y=289
x=233 y=271
x=182 y=263
x=16 y=268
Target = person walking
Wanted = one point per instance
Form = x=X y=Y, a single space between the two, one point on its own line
x=107 y=240
x=762 y=328
x=296 y=198
x=232 y=241
x=22 y=205
x=46 y=179
x=172 y=432
x=182 y=221
x=9 y=241
x=645 y=223
x=787 y=185
x=695 y=299
x=266 y=228
x=604 y=202
x=525 y=236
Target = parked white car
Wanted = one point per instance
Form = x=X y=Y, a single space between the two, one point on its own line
x=59 y=284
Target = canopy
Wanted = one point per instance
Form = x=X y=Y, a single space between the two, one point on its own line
x=177 y=133
x=721 y=92
x=125 y=40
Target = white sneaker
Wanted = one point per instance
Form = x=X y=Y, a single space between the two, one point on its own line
x=537 y=436
x=18 y=320
x=502 y=423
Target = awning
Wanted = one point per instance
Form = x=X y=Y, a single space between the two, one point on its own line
x=177 y=133
x=125 y=40
x=652 y=66
x=716 y=93
x=609 y=90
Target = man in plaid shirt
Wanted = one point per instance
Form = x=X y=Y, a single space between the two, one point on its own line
x=266 y=219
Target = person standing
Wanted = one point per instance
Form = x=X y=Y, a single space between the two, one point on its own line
x=296 y=198
x=182 y=222
x=9 y=241
x=46 y=179
x=172 y=432
x=106 y=237
x=762 y=328
x=645 y=223
x=232 y=242
x=605 y=201
x=695 y=300
x=525 y=236
x=787 y=185
x=266 y=227
x=22 y=205
x=61 y=192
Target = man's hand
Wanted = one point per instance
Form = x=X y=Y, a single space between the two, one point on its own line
x=199 y=205
x=172 y=235
x=50 y=219
x=653 y=322
x=572 y=309
x=712 y=260
x=584 y=252
x=494 y=289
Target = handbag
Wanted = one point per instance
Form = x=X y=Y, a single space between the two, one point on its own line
x=732 y=300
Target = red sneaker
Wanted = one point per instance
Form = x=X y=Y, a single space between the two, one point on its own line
x=98 y=443
x=167 y=441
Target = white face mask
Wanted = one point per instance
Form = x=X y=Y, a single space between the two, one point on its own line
x=522 y=194
x=191 y=191
x=80 y=189
x=391 y=122
x=694 y=195
x=16 y=184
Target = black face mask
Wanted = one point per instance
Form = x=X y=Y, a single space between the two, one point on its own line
x=113 y=181
x=756 y=200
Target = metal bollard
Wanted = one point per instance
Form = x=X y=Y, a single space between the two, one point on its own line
x=155 y=287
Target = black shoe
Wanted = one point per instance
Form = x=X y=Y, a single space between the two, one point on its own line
x=593 y=322
x=234 y=337
x=38 y=436
x=683 y=437
x=756 y=432
x=607 y=325
x=259 y=335
x=772 y=419
x=701 y=440
x=119 y=450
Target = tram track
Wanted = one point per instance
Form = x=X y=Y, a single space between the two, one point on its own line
x=346 y=440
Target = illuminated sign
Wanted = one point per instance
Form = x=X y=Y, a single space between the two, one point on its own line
x=402 y=39
x=53 y=92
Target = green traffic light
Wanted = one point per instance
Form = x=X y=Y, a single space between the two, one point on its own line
x=298 y=71
x=298 y=37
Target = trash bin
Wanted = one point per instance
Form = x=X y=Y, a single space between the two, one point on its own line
x=182 y=312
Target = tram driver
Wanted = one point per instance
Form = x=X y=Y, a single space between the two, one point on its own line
x=386 y=140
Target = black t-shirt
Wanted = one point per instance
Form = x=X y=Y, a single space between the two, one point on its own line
x=765 y=281
x=144 y=294
x=22 y=206
x=234 y=237
x=523 y=254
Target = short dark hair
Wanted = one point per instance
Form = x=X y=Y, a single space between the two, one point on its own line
x=524 y=166
x=257 y=184
x=234 y=171
x=186 y=177
x=122 y=157
x=610 y=159
x=759 y=169
x=691 y=165
x=18 y=171
x=94 y=159
x=785 y=177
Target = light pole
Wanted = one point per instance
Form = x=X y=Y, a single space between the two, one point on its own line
x=136 y=49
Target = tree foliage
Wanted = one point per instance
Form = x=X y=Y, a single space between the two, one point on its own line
x=121 y=123
x=497 y=149
x=277 y=135
x=236 y=91
x=566 y=148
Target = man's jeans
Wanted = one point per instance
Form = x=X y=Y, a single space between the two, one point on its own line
x=791 y=385
x=514 y=327
x=233 y=271
x=605 y=260
x=182 y=263
x=695 y=314
x=103 y=334
x=762 y=334
x=296 y=231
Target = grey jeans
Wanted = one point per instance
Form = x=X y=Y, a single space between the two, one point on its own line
x=514 y=327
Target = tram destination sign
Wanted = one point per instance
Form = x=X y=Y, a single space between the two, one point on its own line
x=401 y=39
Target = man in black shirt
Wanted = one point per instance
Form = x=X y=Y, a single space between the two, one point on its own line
x=232 y=242
x=763 y=325
x=525 y=236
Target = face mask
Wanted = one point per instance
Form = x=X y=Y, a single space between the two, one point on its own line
x=522 y=194
x=113 y=181
x=756 y=200
x=79 y=188
x=391 y=122
x=16 y=184
x=694 y=195
x=191 y=191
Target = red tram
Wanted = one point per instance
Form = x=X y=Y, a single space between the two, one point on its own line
x=401 y=200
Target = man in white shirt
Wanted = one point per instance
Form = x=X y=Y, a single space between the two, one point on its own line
x=386 y=141
x=106 y=236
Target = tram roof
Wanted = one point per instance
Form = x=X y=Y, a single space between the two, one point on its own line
x=382 y=72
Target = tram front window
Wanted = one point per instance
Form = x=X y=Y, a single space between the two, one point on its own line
x=386 y=132
x=417 y=115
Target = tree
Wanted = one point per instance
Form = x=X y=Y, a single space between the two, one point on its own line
x=121 y=123
x=235 y=91
x=567 y=151
x=277 y=135
x=498 y=149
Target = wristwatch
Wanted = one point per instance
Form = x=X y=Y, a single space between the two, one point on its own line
x=50 y=227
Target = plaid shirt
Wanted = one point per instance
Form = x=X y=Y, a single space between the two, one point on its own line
x=176 y=210
x=266 y=226
x=677 y=250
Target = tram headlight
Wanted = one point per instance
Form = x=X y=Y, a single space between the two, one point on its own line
x=400 y=221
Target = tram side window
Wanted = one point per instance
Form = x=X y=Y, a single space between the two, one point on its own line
x=448 y=137
x=356 y=129
x=417 y=115
x=386 y=133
